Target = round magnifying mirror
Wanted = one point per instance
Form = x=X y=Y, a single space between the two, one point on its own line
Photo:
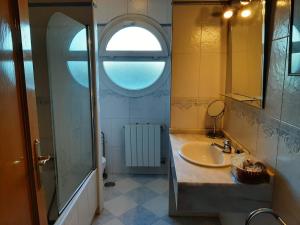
x=216 y=108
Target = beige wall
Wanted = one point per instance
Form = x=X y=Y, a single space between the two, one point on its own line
x=198 y=63
x=273 y=133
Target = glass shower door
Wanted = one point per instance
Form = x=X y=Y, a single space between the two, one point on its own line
x=68 y=68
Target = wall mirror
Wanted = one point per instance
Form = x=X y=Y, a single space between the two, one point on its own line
x=294 y=59
x=246 y=60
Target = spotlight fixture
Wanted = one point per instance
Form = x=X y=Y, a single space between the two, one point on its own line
x=246 y=13
x=245 y=2
x=228 y=14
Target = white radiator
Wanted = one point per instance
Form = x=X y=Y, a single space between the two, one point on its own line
x=142 y=145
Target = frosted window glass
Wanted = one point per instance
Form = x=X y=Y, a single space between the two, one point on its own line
x=79 y=42
x=295 y=63
x=296 y=34
x=133 y=75
x=79 y=71
x=133 y=39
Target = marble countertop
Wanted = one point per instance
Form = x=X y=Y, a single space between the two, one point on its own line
x=190 y=173
x=210 y=190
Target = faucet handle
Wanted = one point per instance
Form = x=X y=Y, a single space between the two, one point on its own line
x=227 y=142
x=227 y=146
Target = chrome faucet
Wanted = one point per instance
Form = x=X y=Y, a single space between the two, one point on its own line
x=227 y=146
x=255 y=213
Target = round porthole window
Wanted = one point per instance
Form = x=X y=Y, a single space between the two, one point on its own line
x=78 y=51
x=133 y=54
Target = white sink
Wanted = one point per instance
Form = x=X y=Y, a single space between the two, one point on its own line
x=205 y=154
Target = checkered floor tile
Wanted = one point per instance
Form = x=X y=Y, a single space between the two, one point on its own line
x=141 y=200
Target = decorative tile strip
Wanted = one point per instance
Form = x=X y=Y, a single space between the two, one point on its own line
x=291 y=138
x=187 y=103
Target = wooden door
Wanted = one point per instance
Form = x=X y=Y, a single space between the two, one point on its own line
x=21 y=200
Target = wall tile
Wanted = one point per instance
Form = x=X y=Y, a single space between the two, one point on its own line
x=287 y=192
x=291 y=103
x=160 y=10
x=210 y=78
x=117 y=139
x=115 y=106
x=214 y=37
x=282 y=17
x=186 y=29
x=276 y=78
x=185 y=75
x=108 y=9
x=137 y=6
x=267 y=140
x=241 y=122
x=184 y=118
x=143 y=107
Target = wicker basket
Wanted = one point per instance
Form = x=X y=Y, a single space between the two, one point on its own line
x=250 y=177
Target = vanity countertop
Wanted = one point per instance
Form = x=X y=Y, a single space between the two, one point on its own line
x=210 y=190
x=193 y=174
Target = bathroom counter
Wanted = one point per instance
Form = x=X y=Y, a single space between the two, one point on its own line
x=210 y=190
x=193 y=174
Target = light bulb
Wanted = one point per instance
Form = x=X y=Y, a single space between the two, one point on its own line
x=246 y=13
x=228 y=14
x=245 y=2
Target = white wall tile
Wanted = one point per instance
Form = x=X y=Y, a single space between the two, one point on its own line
x=137 y=6
x=108 y=9
x=117 y=139
x=160 y=10
x=115 y=106
x=143 y=107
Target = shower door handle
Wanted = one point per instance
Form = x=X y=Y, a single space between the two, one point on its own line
x=42 y=160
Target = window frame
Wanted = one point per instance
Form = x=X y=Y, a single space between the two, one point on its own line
x=151 y=56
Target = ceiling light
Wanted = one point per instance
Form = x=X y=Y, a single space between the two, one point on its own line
x=246 y=13
x=245 y=2
x=228 y=14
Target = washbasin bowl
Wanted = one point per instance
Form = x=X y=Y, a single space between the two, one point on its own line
x=205 y=154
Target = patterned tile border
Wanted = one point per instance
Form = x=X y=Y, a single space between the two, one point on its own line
x=187 y=103
x=157 y=93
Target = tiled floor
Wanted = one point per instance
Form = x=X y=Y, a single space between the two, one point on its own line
x=141 y=200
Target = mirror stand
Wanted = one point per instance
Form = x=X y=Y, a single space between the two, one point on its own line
x=214 y=133
x=215 y=110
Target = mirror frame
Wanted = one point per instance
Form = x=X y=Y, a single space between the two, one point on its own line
x=269 y=27
x=292 y=18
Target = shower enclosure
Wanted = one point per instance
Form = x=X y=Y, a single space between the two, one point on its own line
x=60 y=48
